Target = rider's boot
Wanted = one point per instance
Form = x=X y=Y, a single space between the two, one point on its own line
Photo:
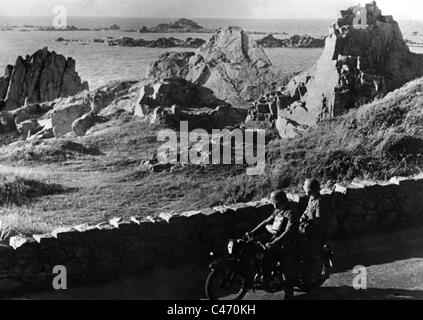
x=289 y=294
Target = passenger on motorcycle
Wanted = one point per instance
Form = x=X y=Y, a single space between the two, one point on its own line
x=282 y=230
x=313 y=229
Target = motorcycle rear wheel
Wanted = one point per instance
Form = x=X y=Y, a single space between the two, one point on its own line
x=217 y=279
x=307 y=286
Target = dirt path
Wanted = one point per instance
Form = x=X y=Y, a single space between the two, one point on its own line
x=394 y=264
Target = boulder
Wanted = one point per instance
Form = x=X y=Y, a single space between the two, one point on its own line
x=28 y=127
x=66 y=112
x=358 y=65
x=171 y=91
x=32 y=111
x=44 y=76
x=7 y=122
x=168 y=117
x=83 y=124
x=230 y=64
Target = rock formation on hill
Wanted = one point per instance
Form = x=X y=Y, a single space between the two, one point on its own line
x=235 y=67
x=44 y=76
x=171 y=100
x=359 y=64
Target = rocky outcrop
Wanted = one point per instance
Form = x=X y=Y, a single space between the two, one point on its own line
x=44 y=76
x=32 y=111
x=79 y=113
x=81 y=125
x=235 y=67
x=170 y=91
x=66 y=112
x=296 y=41
x=358 y=65
x=158 y=43
x=28 y=127
x=170 y=65
x=7 y=122
x=208 y=119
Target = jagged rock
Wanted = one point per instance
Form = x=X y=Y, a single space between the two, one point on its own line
x=66 y=112
x=7 y=122
x=28 y=127
x=44 y=76
x=230 y=64
x=356 y=66
x=83 y=124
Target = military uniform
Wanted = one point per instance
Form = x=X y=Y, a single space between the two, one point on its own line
x=314 y=221
x=313 y=231
x=283 y=226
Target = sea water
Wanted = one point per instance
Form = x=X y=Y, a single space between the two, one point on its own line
x=98 y=63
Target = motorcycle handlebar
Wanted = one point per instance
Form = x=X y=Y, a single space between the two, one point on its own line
x=249 y=238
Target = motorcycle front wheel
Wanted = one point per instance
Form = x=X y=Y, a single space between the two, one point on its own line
x=321 y=274
x=226 y=285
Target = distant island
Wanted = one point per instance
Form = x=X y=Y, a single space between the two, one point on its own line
x=414 y=43
x=179 y=26
x=296 y=41
x=131 y=42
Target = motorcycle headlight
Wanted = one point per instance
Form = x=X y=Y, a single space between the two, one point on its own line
x=230 y=247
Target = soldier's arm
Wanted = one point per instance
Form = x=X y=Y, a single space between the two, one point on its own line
x=289 y=230
x=263 y=224
x=319 y=218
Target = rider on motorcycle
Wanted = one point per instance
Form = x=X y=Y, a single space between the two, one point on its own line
x=282 y=229
x=313 y=228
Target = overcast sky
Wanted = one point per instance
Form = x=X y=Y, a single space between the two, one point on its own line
x=261 y=9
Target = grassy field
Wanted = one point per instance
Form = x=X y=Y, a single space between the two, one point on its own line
x=65 y=182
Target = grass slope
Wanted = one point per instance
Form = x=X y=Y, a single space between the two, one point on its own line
x=99 y=175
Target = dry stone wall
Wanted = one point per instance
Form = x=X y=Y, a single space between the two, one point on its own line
x=135 y=246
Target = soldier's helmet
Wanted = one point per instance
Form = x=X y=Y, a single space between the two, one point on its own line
x=278 y=197
x=313 y=185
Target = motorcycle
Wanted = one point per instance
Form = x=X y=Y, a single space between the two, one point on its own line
x=241 y=271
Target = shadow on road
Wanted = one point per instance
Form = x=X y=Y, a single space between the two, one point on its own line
x=348 y=293
x=377 y=249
